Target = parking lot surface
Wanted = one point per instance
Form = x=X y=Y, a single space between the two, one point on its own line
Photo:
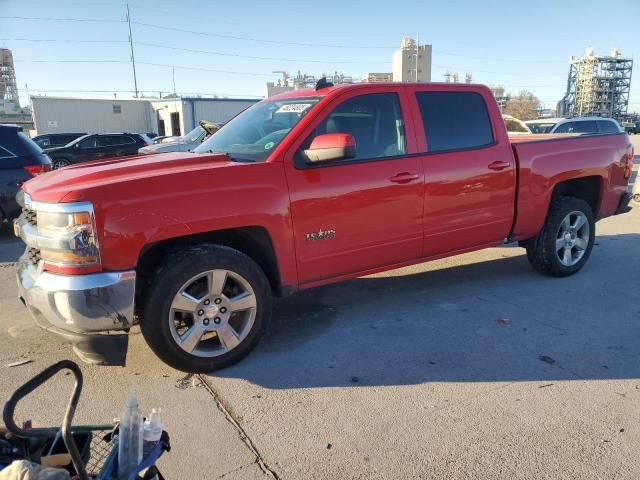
x=469 y=367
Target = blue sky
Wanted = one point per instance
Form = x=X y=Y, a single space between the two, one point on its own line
x=522 y=46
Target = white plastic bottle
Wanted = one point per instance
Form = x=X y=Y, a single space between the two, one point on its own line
x=130 y=437
x=152 y=432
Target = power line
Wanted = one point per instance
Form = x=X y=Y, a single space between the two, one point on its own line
x=212 y=52
x=251 y=39
x=96 y=20
x=202 y=69
x=71 y=61
x=496 y=59
x=59 y=40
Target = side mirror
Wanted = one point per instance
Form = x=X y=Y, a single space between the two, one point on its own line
x=331 y=146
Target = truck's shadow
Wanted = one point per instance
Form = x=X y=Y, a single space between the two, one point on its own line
x=495 y=320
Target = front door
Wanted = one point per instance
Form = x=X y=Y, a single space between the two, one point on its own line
x=358 y=214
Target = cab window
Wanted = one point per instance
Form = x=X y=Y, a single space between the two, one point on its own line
x=454 y=120
x=375 y=122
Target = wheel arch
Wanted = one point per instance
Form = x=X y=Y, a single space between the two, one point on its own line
x=253 y=241
x=587 y=188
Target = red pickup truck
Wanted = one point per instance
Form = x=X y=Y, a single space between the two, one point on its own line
x=303 y=189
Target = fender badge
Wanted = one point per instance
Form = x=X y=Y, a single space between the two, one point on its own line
x=320 y=235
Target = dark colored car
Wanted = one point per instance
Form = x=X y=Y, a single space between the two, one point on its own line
x=51 y=140
x=632 y=128
x=20 y=160
x=97 y=147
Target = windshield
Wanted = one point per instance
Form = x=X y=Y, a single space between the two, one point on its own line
x=193 y=135
x=252 y=135
x=540 y=127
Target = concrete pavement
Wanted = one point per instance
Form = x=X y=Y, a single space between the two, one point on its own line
x=469 y=367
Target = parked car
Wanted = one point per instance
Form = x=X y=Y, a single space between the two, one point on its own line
x=515 y=126
x=50 y=140
x=96 y=147
x=185 y=143
x=20 y=160
x=574 y=125
x=632 y=128
x=303 y=189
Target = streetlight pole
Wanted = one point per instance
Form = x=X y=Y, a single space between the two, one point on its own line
x=133 y=59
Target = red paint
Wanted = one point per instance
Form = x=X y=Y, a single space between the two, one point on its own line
x=386 y=213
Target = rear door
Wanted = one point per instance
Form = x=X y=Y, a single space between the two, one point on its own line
x=118 y=145
x=359 y=214
x=469 y=172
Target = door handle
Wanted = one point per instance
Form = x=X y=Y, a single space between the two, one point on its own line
x=404 y=177
x=499 y=165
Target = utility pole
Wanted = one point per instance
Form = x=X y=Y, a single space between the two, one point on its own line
x=133 y=59
x=417 y=54
x=173 y=76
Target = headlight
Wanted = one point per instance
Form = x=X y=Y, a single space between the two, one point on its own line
x=67 y=238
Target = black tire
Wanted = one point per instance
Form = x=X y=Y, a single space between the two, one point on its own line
x=59 y=163
x=541 y=250
x=177 y=269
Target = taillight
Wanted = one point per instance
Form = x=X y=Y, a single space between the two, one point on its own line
x=38 y=169
x=628 y=167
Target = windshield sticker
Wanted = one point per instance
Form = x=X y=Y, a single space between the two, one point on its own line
x=269 y=146
x=294 y=107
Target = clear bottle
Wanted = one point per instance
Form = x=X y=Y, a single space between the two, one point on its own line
x=130 y=437
x=152 y=432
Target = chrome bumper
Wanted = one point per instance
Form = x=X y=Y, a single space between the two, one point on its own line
x=91 y=311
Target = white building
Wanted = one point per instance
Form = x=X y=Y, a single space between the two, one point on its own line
x=170 y=116
x=377 y=77
x=412 y=62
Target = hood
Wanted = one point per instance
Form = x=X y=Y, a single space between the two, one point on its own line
x=72 y=183
x=166 y=147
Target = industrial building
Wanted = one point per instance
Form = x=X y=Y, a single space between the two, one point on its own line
x=412 y=62
x=10 y=110
x=597 y=86
x=170 y=116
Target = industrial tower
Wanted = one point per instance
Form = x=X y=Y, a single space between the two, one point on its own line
x=8 y=87
x=598 y=85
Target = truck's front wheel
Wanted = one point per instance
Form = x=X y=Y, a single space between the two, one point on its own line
x=206 y=309
x=564 y=244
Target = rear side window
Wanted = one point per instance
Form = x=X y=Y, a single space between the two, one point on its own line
x=586 y=126
x=113 y=140
x=607 y=126
x=454 y=120
x=88 y=143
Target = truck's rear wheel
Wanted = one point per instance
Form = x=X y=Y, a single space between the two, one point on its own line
x=206 y=309
x=564 y=244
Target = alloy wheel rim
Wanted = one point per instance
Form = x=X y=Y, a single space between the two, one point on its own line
x=212 y=313
x=572 y=238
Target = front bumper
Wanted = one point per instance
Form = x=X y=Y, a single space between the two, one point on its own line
x=93 y=312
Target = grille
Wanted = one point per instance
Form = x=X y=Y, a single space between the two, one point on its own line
x=33 y=256
x=30 y=216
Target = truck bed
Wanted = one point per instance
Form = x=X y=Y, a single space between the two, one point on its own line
x=546 y=160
